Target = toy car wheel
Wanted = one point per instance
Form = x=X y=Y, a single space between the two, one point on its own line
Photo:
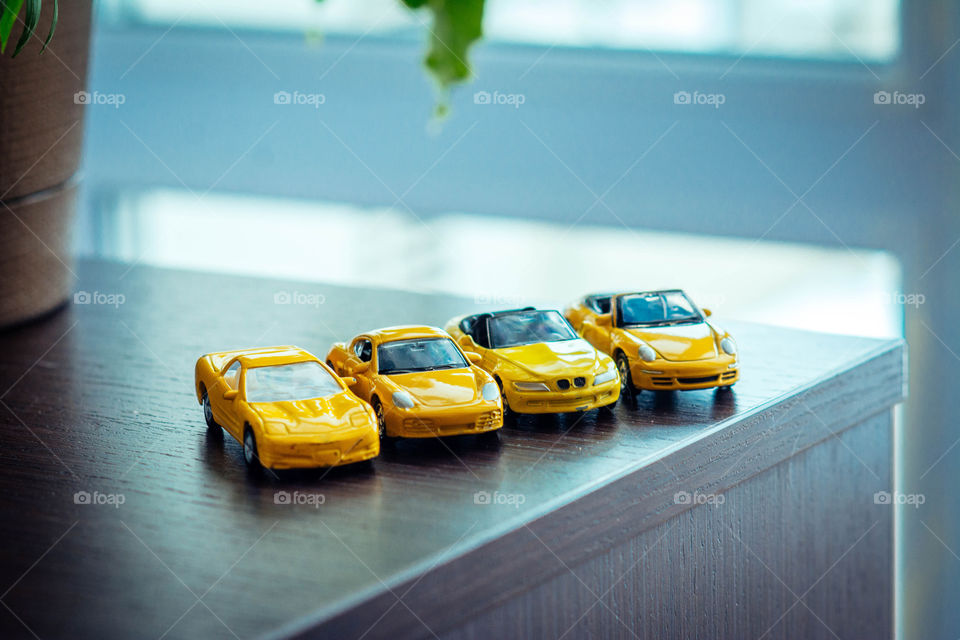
x=208 y=413
x=250 y=455
x=626 y=381
x=381 y=422
x=507 y=411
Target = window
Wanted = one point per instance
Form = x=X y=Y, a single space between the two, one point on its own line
x=600 y=304
x=407 y=356
x=528 y=327
x=363 y=349
x=290 y=383
x=656 y=308
x=832 y=29
x=232 y=376
x=476 y=328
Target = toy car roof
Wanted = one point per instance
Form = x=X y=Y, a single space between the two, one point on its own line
x=262 y=356
x=406 y=332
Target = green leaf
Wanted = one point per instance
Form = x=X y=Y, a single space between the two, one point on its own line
x=457 y=24
x=53 y=24
x=11 y=9
x=31 y=17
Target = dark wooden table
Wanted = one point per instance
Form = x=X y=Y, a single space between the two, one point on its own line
x=738 y=515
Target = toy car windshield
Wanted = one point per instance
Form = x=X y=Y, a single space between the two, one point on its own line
x=408 y=356
x=528 y=327
x=290 y=382
x=662 y=308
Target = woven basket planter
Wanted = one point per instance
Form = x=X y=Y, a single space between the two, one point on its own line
x=41 y=137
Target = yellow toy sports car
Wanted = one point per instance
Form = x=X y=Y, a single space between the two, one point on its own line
x=660 y=340
x=539 y=362
x=419 y=383
x=286 y=408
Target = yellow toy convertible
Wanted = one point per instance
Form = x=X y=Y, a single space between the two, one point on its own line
x=539 y=362
x=419 y=383
x=659 y=339
x=286 y=408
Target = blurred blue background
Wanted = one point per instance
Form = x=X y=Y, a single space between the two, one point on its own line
x=785 y=161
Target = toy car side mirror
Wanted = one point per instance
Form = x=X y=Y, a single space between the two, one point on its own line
x=466 y=342
x=230 y=394
x=707 y=312
x=360 y=367
x=604 y=320
x=473 y=357
x=349 y=380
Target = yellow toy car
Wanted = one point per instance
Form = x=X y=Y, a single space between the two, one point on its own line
x=419 y=383
x=539 y=362
x=660 y=340
x=286 y=408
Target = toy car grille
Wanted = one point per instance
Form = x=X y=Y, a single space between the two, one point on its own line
x=424 y=424
x=563 y=384
x=697 y=380
x=488 y=419
x=579 y=381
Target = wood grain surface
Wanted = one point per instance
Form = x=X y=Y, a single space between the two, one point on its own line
x=98 y=399
x=789 y=554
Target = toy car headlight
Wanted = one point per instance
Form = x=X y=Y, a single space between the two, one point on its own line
x=402 y=399
x=606 y=376
x=274 y=428
x=646 y=353
x=728 y=347
x=530 y=386
x=490 y=391
x=360 y=418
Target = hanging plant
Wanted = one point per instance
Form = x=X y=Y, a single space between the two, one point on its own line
x=457 y=24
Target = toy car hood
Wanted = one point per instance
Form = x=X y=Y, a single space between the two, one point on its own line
x=554 y=359
x=440 y=388
x=679 y=342
x=316 y=415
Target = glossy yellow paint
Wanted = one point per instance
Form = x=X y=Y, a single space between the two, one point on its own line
x=565 y=370
x=687 y=356
x=335 y=429
x=444 y=401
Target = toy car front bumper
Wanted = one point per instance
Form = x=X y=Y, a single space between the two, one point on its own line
x=421 y=422
x=299 y=452
x=684 y=375
x=573 y=399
